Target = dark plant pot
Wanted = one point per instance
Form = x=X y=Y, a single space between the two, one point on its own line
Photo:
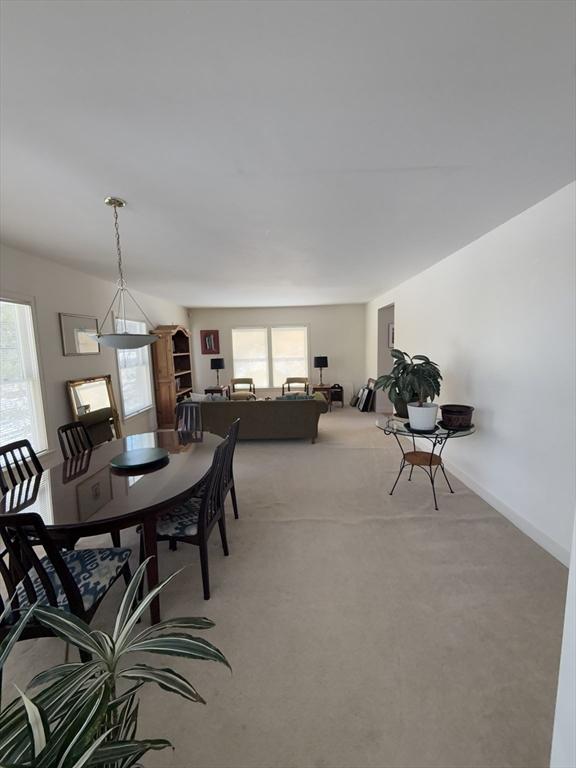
x=401 y=409
x=456 y=416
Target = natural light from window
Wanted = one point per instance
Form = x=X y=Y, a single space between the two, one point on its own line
x=250 y=353
x=21 y=407
x=134 y=372
x=281 y=351
x=289 y=353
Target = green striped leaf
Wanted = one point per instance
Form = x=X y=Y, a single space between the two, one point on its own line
x=127 y=604
x=55 y=673
x=179 y=644
x=166 y=678
x=37 y=724
x=12 y=637
x=184 y=622
x=69 y=628
x=112 y=752
x=85 y=758
x=132 y=620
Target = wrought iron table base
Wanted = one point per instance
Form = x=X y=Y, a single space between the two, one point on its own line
x=430 y=467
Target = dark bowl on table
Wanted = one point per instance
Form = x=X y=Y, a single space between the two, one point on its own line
x=456 y=416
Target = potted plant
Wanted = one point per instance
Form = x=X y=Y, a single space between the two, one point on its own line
x=424 y=377
x=85 y=714
x=397 y=384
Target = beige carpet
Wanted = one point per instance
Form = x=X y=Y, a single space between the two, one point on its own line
x=365 y=631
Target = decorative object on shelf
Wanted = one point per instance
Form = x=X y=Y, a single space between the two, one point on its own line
x=210 y=342
x=122 y=340
x=321 y=362
x=79 y=334
x=217 y=364
x=402 y=383
x=390 y=335
x=456 y=416
x=172 y=360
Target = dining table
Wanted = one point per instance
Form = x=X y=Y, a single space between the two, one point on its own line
x=86 y=495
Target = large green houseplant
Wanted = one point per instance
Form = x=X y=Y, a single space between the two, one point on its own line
x=86 y=713
x=413 y=380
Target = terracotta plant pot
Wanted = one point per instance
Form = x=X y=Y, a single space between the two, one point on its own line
x=457 y=416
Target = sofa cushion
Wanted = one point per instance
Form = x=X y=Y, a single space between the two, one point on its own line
x=242 y=396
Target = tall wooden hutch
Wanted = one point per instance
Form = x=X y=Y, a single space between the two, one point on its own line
x=172 y=356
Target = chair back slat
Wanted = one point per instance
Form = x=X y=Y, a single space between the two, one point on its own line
x=188 y=417
x=18 y=462
x=213 y=497
x=74 y=439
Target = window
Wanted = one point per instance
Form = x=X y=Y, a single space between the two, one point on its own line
x=21 y=408
x=289 y=353
x=282 y=350
x=250 y=353
x=134 y=372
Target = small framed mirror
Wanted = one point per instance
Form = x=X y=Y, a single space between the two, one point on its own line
x=78 y=332
x=92 y=402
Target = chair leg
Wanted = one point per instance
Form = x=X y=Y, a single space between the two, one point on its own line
x=172 y=545
x=84 y=655
x=234 y=502
x=142 y=558
x=126 y=572
x=222 y=527
x=204 y=567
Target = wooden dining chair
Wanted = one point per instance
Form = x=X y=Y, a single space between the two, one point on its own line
x=74 y=439
x=75 y=580
x=188 y=417
x=18 y=462
x=194 y=521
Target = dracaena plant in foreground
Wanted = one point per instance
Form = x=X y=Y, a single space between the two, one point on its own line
x=78 y=715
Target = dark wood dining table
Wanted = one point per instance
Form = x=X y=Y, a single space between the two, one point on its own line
x=85 y=496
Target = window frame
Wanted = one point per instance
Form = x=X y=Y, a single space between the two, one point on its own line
x=22 y=298
x=125 y=416
x=270 y=358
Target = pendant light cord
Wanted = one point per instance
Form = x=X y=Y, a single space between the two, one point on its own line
x=118 y=247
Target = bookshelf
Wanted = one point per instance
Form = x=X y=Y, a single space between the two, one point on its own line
x=172 y=357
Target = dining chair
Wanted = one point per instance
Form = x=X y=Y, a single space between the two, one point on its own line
x=74 y=439
x=75 y=580
x=229 y=486
x=296 y=384
x=18 y=462
x=194 y=521
x=188 y=416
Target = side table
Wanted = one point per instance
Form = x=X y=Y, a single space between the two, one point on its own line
x=223 y=390
x=326 y=390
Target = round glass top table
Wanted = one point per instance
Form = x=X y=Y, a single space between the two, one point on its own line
x=429 y=461
x=85 y=496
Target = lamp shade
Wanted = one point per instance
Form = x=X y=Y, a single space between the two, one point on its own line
x=217 y=363
x=321 y=362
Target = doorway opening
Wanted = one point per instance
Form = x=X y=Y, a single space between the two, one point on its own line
x=386 y=333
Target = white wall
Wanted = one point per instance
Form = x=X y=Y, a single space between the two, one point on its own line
x=564 y=738
x=499 y=318
x=55 y=289
x=336 y=331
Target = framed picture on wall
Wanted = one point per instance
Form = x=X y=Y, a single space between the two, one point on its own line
x=78 y=332
x=210 y=342
x=390 y=335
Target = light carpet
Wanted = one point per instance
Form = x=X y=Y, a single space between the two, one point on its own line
x=364 y=631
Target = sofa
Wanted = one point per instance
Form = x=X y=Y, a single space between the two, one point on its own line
x=264 y=419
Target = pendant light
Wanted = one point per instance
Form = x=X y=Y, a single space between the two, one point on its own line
x=123 y=339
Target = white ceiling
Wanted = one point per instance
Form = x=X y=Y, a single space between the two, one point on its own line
x=279 y=153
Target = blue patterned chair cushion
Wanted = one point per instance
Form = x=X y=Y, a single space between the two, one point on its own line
x=93 y=570
x=182 y=521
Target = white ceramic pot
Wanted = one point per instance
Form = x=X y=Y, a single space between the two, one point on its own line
x=423 y=417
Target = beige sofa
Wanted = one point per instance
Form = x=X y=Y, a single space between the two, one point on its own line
x=264 y=419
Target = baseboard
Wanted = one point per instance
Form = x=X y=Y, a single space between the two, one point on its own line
x=560 y=553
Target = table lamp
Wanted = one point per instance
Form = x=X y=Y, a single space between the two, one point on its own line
x=217 y=364
x=321 y=362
